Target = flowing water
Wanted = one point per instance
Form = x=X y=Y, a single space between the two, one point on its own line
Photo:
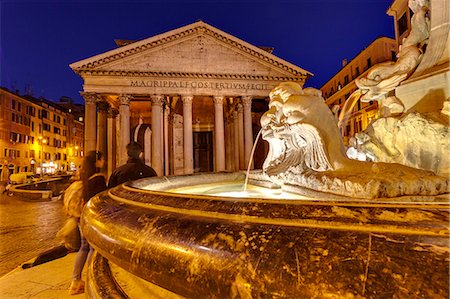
x=251 y=159
x=348 y=107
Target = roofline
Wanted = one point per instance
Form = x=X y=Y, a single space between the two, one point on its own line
x=348 y=63
x=141 y=45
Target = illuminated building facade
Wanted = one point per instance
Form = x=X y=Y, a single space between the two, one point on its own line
x=34 y=136
x=339 y=88
x=192 y=96
x=402 y=14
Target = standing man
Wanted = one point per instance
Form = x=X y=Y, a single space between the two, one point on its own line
x=134 y=169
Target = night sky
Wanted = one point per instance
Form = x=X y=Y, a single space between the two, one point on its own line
x=39 y=39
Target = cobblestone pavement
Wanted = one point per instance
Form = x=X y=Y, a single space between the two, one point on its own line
x=26 y=229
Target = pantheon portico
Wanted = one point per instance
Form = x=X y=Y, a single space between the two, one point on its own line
x=186 y=95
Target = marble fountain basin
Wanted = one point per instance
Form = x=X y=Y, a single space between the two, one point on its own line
x=163 y=237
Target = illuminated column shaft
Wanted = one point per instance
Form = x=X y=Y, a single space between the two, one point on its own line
x=124 y=113
x=219 y=134
x=90 y=121
x=157 y=155
x=248 y=134
x=112 y=142
x=187 y=133
x=241 y=136
x=166 y=139
x=102 y=132
x=236 y=140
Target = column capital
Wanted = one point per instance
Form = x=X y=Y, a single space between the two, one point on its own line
x=90 y=97
x=247 y=101
x=112 y=112
x=234 y=115
x=157 y=99
x=124 y=99
x=187 y=99
x=218 y=100
x=239 y=108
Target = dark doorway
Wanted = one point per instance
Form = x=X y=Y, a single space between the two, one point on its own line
x=203 y=152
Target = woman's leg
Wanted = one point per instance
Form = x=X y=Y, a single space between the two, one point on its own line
x=80 y=258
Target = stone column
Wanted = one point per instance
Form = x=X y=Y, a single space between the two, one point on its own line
x=187 y=133
x=124 y=114
x=102 y=132
x=241 y=136
x=90 y=121
x=157 y=155
x=219 y=134
x=248 y=131
x=166 y=137
x=229 y=153
x=112 y=142
x=236 y=140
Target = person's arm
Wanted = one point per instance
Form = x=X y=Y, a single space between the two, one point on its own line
x=112 y=180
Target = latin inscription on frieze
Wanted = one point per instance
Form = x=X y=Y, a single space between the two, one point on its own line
x=203 y=85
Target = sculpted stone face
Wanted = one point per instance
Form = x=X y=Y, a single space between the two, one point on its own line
x=306 y=150
x=293 y=127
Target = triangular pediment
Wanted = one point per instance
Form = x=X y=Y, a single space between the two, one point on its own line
x=196 y=48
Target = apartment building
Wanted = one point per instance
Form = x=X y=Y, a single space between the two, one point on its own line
x=34 y=136
x=339 y=88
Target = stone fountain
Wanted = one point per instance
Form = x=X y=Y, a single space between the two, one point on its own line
x=312 y=224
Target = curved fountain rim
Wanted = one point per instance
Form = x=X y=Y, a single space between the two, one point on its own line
x=336 y=201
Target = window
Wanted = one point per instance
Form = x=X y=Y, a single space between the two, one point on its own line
x=13 y=104
x=357 y=71
x=47 y=127
x=402 y=24
x=369 y=62
x=19 y=106
x=346 y=80
x=32 y=126
x=45 y=114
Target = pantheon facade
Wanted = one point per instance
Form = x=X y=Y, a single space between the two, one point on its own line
x=192 y=96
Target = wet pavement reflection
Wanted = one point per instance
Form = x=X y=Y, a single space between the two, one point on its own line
x=26 y=229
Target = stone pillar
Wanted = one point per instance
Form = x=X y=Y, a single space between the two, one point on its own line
x=248 y=131
x=236 y=140
x=124 y=114
x=90 y=121
x=187 y=132
x=219 y=134
x=229 y=153
x=112 y=143
x=102 y=132
x=241 y=136
x=166 y=137
x=157 y=155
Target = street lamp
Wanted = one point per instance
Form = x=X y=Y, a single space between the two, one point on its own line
x=43 y=141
